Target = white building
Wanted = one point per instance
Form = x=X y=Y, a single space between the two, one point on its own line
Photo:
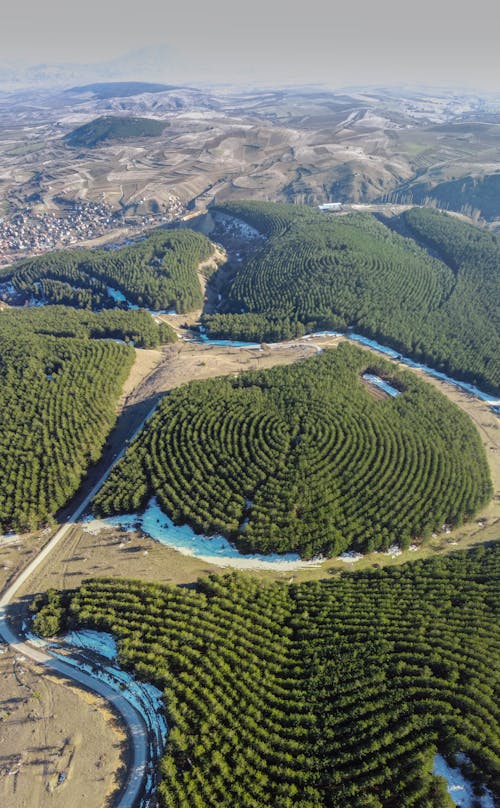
x=331 y=206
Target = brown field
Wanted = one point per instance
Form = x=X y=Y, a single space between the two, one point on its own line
x=59 y=746
x=297 y=146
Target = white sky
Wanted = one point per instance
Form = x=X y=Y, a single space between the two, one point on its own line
x=337 y=42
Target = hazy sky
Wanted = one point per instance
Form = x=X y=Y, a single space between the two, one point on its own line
x=338 y=43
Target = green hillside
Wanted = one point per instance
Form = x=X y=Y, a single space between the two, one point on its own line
x=59 y=384
x=158 y=272
x=60 y=321
x=465 y=194
x=319 y=271
x=113 y=127
x=334 y=694
x=306 y=458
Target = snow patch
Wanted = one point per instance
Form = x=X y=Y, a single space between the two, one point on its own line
x=460 y=789
x=381 y=384
x=393 y=551
x=349 y=557
x=9 y=538
x=211 y=549
x=98 y=641
x=146 y=698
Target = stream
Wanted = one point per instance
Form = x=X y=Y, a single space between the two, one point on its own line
x=489 y=398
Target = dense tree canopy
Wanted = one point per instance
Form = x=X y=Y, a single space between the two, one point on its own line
x=60 y=321
x=333 y=694
x=58 y=390
x=158 y=272
x=320 y=271
x=305 y=458
x=113 y=127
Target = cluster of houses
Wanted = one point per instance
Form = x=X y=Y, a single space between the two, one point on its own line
x=30 y=232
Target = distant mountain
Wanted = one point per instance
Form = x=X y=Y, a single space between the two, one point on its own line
x=119 y=89
x=113 y=127
x=142 y=65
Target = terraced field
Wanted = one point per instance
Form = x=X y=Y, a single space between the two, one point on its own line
x=334 y=694
x=306 y=458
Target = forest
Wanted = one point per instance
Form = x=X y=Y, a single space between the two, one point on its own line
x=159 y=272
x=113 y=127
x=136 y=327
x=306 y=458
x=318 y=271
x=336 y=693
x=60 y=380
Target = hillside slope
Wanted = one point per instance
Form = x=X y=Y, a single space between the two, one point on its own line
x=327 y=695
x=61 y=373
x=319 y=271
x=113 y=127
x=306 y=458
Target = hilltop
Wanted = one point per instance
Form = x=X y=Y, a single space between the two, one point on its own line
x=113 y=127
x=306 y=458
x=429 y=294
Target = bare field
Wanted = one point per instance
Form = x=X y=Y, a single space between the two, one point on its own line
x=114 y=554
x=59 y=746
x=17 y=551
x=192 y=361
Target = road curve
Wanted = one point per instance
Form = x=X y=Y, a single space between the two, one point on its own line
x=134 y=722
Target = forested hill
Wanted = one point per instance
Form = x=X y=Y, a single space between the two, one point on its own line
x=58 y=389
x=335 y=694
x=113 y=127
x=306 y=458
x=473 y=255
x=322 y=271
x=137 y=327
x=158 y=272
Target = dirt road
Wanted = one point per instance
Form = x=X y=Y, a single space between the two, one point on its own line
x=131 y=717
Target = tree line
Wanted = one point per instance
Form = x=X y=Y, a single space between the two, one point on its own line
x=61 y=373
x=158 y=272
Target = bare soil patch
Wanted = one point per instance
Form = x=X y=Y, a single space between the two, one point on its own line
x=59 y=745
x=17 y=551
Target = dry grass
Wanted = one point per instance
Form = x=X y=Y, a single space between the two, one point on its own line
x=59 y=745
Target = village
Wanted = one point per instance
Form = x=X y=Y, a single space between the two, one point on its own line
x=29 y=232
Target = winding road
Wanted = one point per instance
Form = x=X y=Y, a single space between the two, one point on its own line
x=132 y=718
